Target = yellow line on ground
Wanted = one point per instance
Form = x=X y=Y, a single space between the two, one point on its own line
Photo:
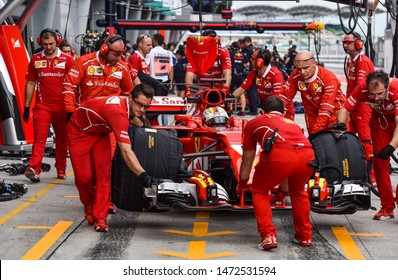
x=41 y=247
x=368 y=234
x=203 y=215
x=347 y=243
x=4 y=219
x=71 y=196
x=35 y=227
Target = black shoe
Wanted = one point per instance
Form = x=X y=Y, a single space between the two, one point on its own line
x=241 y=113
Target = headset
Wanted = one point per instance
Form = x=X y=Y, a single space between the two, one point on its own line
x=104 y=49
x=358 y=41
x=55 y=33
x=261 y=56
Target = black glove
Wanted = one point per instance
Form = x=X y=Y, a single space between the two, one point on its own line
x=68 y=116
x=26 y=114
x=386 y=152
x=338 y=126
x=146 y=180
x=230 y=96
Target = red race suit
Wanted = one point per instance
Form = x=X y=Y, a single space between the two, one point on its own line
x=357 y=70
x=268 y=84
x=382 y=126
x=90 y=148
x=321 y=96
x=287 y=159
x=49 y=75
x=90 y=78
x=138 y=64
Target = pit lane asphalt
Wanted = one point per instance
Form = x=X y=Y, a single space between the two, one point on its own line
x=48 y=223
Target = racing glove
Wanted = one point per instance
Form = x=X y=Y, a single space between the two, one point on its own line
x=68 y=116
x=386 y=152
x=187 y=90
x=240 y=187
x=26 y=114
x=146 y=180
x=338 y=126
x=225 y=90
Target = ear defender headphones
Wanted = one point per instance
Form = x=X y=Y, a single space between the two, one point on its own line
x=56 y=35
x=260 y=57
x=358 y=41
x=104 y=49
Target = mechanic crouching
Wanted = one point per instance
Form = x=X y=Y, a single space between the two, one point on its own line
x=90 y=148
x=286 y=154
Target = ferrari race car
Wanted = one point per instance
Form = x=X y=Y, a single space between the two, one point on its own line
x=198 y=158
x=198 y=161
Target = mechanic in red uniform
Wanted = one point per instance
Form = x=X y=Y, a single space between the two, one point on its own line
x=287 y=158
x=221 y=69
x=269 y=80
x=101 y=73
x=357 y=67
x=137 y=59
x=46 y=72
x=381 y=96
x=90 y=148
x=320 y=91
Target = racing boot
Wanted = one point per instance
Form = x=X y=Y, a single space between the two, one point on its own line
x=268 y=243
x=101 y=225
x=88 y=214
x=111 y=208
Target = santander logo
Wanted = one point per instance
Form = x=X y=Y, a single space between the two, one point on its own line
x=167 y=100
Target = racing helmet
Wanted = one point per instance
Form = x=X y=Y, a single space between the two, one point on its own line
x=215 y=116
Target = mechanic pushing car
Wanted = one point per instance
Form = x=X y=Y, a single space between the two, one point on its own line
x=101 y=73
x=381 y=96
x=320 y=91
x=286 y=153
x=90 y=148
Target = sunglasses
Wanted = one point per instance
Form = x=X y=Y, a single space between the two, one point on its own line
x=347 y=42
x=142 y=37
x=141 y=105
x=117 y=53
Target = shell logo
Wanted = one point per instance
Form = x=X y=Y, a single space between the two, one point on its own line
x=37 y=64
x=91 y=70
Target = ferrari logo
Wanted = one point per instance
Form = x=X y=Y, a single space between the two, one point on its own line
x=316 y=86
x=151 y=142
x=197 y=144
x=113 y=69
x=301 y=85
x=55 y=62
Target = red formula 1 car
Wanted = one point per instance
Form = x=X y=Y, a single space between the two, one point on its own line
x=200 y=159
x=206 y=174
